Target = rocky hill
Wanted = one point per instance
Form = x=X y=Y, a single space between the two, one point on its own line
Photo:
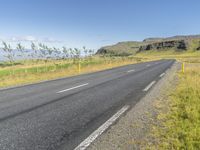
x=121 y=48
x=176 y=43
x=164 y=45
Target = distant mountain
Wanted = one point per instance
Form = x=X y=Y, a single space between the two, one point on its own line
x=176 y=43
x=178 y=37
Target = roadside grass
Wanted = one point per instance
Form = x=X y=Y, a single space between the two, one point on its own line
x=187 y=56
x=178 y=123
x=34 y=71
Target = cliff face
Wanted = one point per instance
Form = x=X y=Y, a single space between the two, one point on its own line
x=177 y=43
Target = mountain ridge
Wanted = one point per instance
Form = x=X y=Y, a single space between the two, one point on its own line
x=176 y=43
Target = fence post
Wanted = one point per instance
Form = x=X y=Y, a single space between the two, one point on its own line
x=183 y=67
x=79 y=67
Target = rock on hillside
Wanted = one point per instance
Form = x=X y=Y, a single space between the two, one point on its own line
x=175 y=44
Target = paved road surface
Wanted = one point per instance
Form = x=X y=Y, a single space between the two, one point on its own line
x=61 y=114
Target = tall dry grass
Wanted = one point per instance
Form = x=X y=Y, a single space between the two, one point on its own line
x=64 y=69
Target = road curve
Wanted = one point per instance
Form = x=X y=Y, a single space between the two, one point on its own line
x=63 y=113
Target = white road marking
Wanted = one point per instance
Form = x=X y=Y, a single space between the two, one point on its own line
x=149 y=86
x=73 y=88
x=130 y=71
x=148 y=65
x=83 y=145
x=162 y=75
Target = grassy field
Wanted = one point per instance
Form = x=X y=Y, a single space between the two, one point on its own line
x=34 y=71
x=179 y=127
x=31 y=71
x=187 y=56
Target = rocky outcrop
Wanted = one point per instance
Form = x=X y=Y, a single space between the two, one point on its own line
x=175 y=44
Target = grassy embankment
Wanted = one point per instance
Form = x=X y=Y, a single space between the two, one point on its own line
x=33 y=71
x=179 y=127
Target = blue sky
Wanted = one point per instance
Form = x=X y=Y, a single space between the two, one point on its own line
x=95 y=23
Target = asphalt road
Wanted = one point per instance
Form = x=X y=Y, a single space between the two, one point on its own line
x=60 y=114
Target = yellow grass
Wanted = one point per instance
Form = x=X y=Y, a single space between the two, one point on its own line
x=26 y=78
x=179 y=127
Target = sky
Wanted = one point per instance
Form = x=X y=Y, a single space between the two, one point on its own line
x=95 y=23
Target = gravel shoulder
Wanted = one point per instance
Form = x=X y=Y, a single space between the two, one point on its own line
x=131 y=131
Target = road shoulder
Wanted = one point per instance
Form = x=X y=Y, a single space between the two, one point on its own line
x=131 y=130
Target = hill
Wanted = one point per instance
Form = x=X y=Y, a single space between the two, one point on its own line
x=175 y=43
x=121 y=48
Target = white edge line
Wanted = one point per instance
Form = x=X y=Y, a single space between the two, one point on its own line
x=148 y=65
x=83 y=145
x=149 y=86
x=73 y=88
x=162 y=75
x=130 y=71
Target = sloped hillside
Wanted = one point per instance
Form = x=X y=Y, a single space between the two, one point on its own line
x=176 y=43
x=121 y=48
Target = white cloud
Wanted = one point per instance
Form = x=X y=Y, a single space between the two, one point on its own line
x=22 y=39
x=50 y=40
x=29 y=38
